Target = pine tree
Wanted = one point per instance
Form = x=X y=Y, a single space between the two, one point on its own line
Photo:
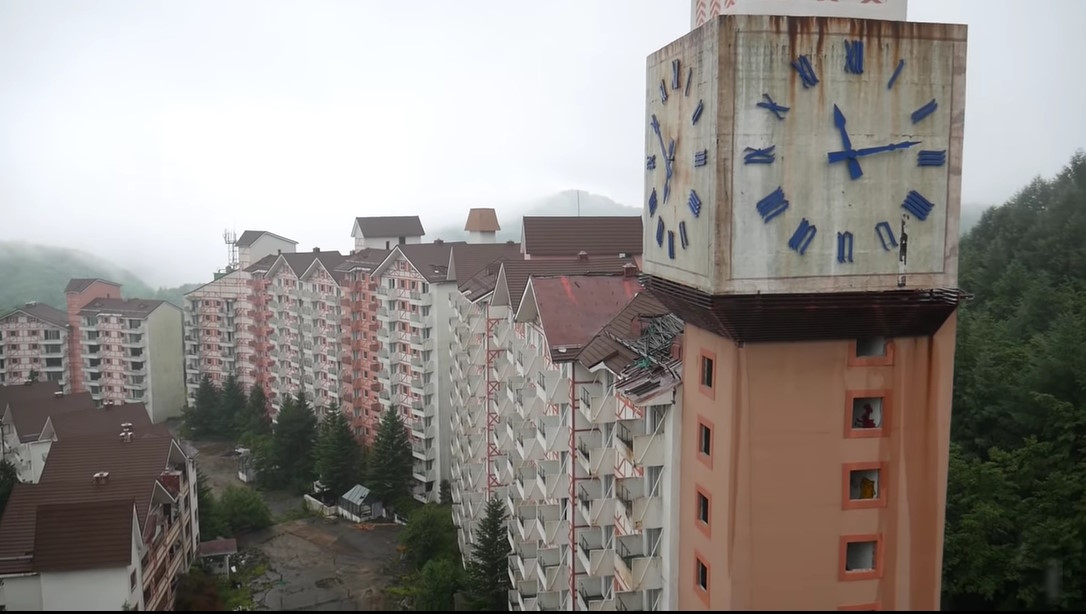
x=201 y=418
x=293 y=441
x=488 y=576
x=339 y=457
x=9 y=476
x=389 y=476
x=446 y=492
x=253 y=420
x=232 y=401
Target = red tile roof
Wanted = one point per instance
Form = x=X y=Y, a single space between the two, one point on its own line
x=594 y=235
x=515 y=273
x=573 y=308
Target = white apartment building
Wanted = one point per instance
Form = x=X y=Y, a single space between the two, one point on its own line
x=132 y=352
x=386 y=232
x=34 y=338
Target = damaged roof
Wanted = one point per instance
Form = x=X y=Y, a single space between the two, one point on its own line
x=572 y=308
x=467 y=259
x=514 y=275
x=610 y=344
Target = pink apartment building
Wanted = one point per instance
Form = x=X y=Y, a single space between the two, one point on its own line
x=78 y=293
x=359 y=345
x=34 y=340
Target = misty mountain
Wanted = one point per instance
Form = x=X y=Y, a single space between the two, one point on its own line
x=30 y=272
x=568 y=202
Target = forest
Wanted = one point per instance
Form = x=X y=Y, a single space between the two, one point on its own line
x=1016 y=500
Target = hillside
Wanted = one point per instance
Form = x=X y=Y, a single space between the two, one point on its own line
x=562 y=203
x=40 y=273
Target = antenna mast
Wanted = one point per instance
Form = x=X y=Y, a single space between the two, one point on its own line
x=230 y=238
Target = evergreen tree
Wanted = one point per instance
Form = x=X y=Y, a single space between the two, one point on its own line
x=201 y=419
x=488 y=576
x=446 y=492
x=233 y=402
x=211 y=525
x=253 y=420
x=292 y=446
x=437 y=584
x=430 y=534
x=339 y=457
x=389 y=476
x=8 y=478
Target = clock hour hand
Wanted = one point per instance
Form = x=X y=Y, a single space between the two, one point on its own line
x=837 y=156
x=854 y=169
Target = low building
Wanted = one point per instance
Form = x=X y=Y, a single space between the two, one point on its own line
x=34 y=345
x=386 y=232
x=215 y=554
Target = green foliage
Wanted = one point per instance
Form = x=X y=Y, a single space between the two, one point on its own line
x=198 y=591
x=430 y=534
x=8 y=478
x=389 y=469
x=232 y=403
x=294 y=437
x=242 y=510
x=339 y=456
x=253 y=420
x=446 y=493
x=488 y=579
x=211 y=524
x=437 y=584
x=202 y=419
x=1016 y=498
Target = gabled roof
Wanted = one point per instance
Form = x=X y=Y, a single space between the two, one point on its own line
x=482 y=220
x=570 y=235
x=300 y=263
x=79 y=284
x=40 y=311
x=466 y=260
x=572 y=308
x=219 y=547
x=105 y=420
x=388 y=226
x=607 y=347
x=366 y=259
x=263 y=264
x=249 y=237
x=431 y=260
x=29 y=414
x=483 y=282
x=127 y=307
x=513 y=278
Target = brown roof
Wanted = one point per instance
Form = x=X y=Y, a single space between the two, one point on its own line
x=482 y=220
x=43 y=312
x=100 y=420
x=605 y=348
x=431 y=260
x=515 y=273
x=299 y=262
x=134 y=468
x=263 y=264
x=468 y=259
x=573 y=308
x=102 y=537
x=27 y=392
x=569 y=235
x=29 y=415
x=219 y=547
x=128 y=307
x=249 y=237
x=483 y=282
x=368 y=258
x=390 y=226
x=79 y=284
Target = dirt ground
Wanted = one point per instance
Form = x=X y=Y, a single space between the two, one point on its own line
x=311 y=563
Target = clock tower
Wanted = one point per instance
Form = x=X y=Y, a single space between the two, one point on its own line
x=802 y=190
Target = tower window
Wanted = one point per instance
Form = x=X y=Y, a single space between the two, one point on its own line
x=871 y=347
x=861 y=557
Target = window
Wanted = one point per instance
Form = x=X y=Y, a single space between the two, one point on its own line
x=867 y=413
x=705 y=442
x=132 y=581
x=863 y=485
x=703 y=507
x=701 y=510
x=707 y=376
x=871 y=352
x=701 y=578
x=861 y=557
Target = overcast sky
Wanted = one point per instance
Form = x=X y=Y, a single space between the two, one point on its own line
x=139 y=130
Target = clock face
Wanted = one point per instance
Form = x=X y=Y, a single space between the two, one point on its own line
x=823 y=155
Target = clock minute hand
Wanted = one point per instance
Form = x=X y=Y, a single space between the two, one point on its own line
x=838 y=156
x=854 y=169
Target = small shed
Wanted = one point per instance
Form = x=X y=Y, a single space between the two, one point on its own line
x=216 y=554
x=354 y=505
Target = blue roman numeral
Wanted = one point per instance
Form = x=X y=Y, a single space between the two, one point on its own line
x=897 y=73
x=660 y=232
x=802 y=64
x=682 y=235
x=663 y=91
x=674 y=74
x=695 y=203
x=925 y=111
x=772 y=106
x=759 y=156
x=802 y=237
x=885 y=235
x=854 y=57
x=701 y=158
x=926 y=157
x=689 y=78
x=697 y=113
x=772 y=205
x=671 y=244
x=652 y=203
x=917 y=205
x=650 y=163
x=844 y=247
x=671 y=150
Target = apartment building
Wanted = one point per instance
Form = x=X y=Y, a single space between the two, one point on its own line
x=132 y=352
x=359 y=344
x=252 y=245
x=112 y=523
x=386 y=232
x=627 y=469
x=77 y=294
x=217 y=323
x=34 y=345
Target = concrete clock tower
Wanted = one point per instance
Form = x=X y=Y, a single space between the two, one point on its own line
x=802 y=186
